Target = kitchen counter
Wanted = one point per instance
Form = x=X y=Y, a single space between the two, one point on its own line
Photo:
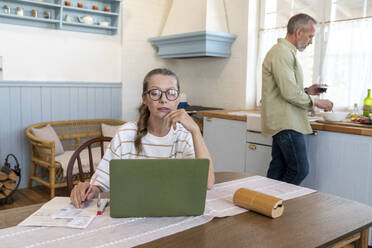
x=340 y=128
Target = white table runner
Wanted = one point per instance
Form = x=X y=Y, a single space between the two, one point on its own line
x=105 y=231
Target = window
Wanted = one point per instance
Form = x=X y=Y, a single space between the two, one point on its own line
x=341 y=54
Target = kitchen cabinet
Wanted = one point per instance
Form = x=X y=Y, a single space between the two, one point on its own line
x=258 y=153
x=226 y=142
x=233 y=148
x=341 y=164
x=56 y=15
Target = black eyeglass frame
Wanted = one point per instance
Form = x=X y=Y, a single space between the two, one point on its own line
x=161 y=94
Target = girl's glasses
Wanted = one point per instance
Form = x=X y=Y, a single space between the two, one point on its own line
x=157 y=94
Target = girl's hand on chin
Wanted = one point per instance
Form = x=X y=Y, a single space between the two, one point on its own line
x=181 y=116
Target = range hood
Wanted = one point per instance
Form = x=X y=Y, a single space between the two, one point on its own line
x=195 y=28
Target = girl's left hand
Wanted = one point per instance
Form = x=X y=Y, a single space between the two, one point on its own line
x=181 y=116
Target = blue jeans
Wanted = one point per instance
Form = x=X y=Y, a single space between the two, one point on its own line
x=289 y=159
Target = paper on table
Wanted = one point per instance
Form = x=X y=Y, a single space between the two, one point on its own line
x=60 y=212
x=219 y=201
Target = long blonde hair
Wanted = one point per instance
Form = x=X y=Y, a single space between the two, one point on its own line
x=143 y=110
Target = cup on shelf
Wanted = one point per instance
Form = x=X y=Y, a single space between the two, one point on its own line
x=47 y=14
x=68 y=18
x=34 y=13
x=104 y=24
x=19 y=11
x=80 y=5
x=6 y=9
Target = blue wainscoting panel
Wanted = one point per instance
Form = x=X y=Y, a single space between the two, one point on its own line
x=25 y=103
x=116 y=102
x=74 y=103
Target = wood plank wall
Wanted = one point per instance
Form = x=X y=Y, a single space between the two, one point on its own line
x=25 y=103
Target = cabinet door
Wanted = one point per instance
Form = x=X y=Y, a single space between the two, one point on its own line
x=341 y=164
x=258 y=159
x=226 y=142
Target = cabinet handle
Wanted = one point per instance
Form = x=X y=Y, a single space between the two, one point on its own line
x=208 y=118
x=252 y=147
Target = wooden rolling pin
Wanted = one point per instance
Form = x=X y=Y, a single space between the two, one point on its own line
x=259 y=202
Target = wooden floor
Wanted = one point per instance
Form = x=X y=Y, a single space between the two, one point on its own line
x=37 y=194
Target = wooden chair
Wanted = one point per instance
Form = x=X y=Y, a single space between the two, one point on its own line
x=84 y=176
x=44 y=168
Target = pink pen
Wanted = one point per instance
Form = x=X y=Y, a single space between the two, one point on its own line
x=102 y=206
x=90 y=188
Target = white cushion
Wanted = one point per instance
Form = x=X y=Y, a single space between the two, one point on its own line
x=84 y=156
x=109 y=130
x=48 y=133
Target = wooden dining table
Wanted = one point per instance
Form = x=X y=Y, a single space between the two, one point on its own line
x=313 y=220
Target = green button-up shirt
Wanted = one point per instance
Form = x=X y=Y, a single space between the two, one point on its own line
x=284 y=101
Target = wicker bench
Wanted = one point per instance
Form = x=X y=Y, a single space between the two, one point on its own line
x=45 y=169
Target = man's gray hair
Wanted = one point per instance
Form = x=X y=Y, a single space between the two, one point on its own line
x=298 y=21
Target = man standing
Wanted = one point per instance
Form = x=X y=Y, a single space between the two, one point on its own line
x=286 y=103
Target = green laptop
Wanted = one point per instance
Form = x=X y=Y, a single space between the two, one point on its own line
x=158 y=187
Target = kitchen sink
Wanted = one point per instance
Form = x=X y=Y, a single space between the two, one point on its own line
x=254 y=122
x=253 y=119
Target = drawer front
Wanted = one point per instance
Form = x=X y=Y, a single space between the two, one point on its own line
x=257 y=138
x=258 y=159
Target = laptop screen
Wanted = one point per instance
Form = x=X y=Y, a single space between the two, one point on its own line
x=158 y=187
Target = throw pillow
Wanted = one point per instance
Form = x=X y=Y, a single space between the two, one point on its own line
x=48 y=133
x=109 y=130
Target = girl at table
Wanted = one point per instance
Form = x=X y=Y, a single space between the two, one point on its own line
x=162 y=131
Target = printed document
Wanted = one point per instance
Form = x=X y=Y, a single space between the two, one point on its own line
x=60 y=212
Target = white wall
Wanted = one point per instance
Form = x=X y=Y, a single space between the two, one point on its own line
x=142 y=19
x=214 y=82
x=216 y=16
x=195 y=16
x=54 y=55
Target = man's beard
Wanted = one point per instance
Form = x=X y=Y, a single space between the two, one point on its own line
x=301 y=46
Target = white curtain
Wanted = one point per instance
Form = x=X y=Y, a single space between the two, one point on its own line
x=347 y=67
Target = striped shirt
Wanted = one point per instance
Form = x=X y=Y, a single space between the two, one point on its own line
x=176 y=144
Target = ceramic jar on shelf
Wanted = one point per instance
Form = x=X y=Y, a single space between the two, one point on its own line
x=47 y=14
x=34 y=13
x=6 y=9
x=19 y=11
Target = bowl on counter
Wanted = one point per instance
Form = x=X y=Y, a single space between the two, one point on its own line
x=334 y=116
